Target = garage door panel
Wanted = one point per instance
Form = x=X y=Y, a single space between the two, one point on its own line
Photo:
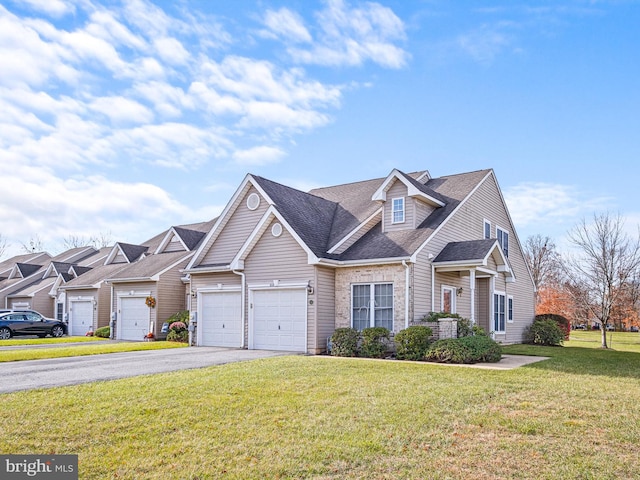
x=221 y=319
x=81 y=317
x=279 y=319
x=134 y=318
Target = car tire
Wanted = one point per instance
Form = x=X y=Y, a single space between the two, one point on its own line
x=42 y=335
x=57 y=331
x=5 y=333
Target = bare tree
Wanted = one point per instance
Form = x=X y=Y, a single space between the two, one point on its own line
x=104 y=239
x=544 y=261
x=33 y=245
x=608 y=261
x=4 y=245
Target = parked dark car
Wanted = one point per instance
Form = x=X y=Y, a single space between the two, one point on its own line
x=29 y=322
x=634 y=329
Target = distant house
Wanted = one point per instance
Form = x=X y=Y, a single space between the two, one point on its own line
x=16 y=272
x=33 y=285
x=149 y=288
x=282 y=269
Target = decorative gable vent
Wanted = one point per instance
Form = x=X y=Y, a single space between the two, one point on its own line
x=253 y=201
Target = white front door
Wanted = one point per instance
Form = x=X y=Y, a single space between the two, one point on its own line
x=279 y=319
x=220 y=321
x=81 y=320
x=134 y=318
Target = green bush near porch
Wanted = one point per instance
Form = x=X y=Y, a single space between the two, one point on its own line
x=412 y=343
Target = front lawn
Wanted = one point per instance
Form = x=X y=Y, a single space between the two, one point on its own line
x=334 y=418
x=46 y=341
x=80 y=350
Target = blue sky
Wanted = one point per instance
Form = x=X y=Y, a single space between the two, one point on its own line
x=127 y=117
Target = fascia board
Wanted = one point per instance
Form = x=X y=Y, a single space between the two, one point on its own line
x=451 y=215
x=355 y=230
x=357 y=263
x=381 y=193
x=165 y=241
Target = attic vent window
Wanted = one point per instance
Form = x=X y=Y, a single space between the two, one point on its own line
x=253 y=201
x=276 y=230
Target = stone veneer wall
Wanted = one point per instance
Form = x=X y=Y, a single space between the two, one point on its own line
x=345 y=277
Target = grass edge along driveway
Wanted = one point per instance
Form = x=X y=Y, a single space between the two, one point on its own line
x=573 y=416
x=81 y=350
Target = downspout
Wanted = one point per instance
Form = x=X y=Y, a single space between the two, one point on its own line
x=406 y=293
x=433 y=287
x=242 y=302
x=112 y=319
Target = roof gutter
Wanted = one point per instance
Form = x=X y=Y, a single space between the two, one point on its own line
x=223 y=268
x=132 y=279
x=356 y=263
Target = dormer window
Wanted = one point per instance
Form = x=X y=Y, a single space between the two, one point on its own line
x=398 y=210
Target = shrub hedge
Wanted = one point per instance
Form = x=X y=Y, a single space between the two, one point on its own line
x=471 y=349
x=412 y=343
x=103 y=332
x=562 y=322
x=344 y=342
x=373 y=342
x=544 y=332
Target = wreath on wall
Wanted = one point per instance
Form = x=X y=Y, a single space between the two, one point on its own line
x=150 y=301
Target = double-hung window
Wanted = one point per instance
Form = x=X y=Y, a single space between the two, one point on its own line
x=398 y=210
x=372 y=305
x=499 y=313
x=503 y=240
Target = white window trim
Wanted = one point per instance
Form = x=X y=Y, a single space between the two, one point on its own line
x=506 y=253
x=493 y=312
x=372 y=295
x=453 y=298
x=404 y=213
x=484 y=229
x=509 y=317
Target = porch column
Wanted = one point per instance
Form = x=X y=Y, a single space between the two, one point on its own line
x=472 y=291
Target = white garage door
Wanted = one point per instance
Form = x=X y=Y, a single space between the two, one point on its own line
x=280 y=319
x=220 y=319
x=81 y=317
x=134 y=318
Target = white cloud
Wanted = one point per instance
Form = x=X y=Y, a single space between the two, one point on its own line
x=55 y=8
x=352 y=36
x=287 y=25
x=121 y=110
x=546 y=203
x=258 y=156
x=486 y=42
x=90 y=93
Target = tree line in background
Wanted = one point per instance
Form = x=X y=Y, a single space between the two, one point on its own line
x=597 y=283
x=35 y=244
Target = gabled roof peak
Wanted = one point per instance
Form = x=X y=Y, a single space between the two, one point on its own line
x=414 y=189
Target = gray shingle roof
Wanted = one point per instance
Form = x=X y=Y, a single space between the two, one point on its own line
x=80 y=269
x=191 y=238
x=310 y=216
x=132 y=252
x=465 y=251
x=94 y=276
x=27 y=269
x=149 y=266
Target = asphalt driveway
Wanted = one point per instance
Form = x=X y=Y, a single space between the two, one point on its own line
x=57 y=372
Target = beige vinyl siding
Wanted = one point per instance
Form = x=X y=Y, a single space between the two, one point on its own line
x=422 y=211
x=324 y=298
x=235 y=231
x=104 y=309
x=421 y=291
x=483 y=309
x=119 y=258
x=468 y=224
x=398 y=190
x=211 y=280
x=281 y=258
x=462 y=302
x=171 y=295
x=174 y=245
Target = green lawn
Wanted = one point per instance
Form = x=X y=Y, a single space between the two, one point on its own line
x=80 y=350
x=576 y=415
x=47 y=340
